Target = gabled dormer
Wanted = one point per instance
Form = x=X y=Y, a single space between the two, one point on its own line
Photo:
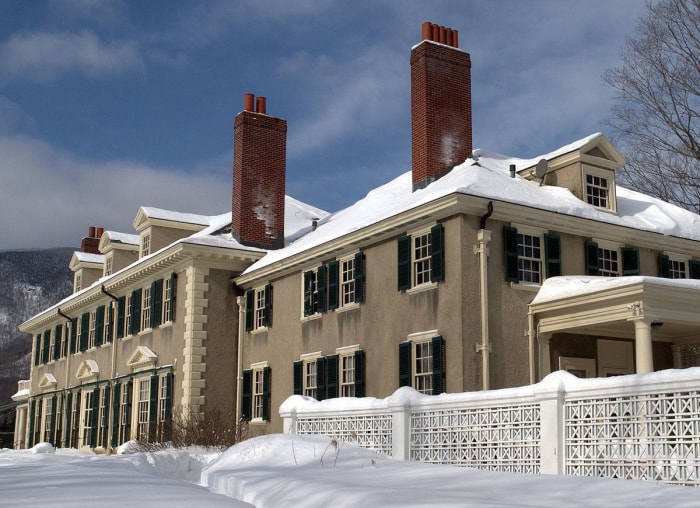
x=586 y=167
x=119 y=250
x=159 y=228
x=87 y=268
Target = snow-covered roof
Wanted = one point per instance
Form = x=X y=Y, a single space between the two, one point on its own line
x=88 y=257
x=171 y=215
x=125 y=238
x=487 y=175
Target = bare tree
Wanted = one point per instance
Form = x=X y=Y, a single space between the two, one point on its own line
x=658 y=110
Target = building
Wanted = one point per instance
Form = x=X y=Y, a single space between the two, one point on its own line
x=471 y=271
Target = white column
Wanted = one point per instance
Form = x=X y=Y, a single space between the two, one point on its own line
x=545 y=359
x=642 y=343
x=677 y=358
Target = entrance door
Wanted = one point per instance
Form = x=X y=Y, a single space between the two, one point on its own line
x=615 y=357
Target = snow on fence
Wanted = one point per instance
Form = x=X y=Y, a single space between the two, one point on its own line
x=643 y=426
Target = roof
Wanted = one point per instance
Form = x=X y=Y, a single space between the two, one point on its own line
x=88 y=257
x=487 y=175
x=125 y=238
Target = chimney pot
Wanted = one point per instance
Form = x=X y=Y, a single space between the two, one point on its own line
x=91 y=232
x=248 y=100
x=100 y=232
x=443 y=35
x=427 y=28
x=260 y=106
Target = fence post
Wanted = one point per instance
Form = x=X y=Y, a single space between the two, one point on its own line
x=551 y=398
x=289 y=421
x=400 y=431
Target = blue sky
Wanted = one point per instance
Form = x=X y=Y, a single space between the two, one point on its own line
x=109 y=105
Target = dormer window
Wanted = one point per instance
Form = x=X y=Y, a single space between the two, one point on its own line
x=597 y=191
x=145 y=245
x=108 y=264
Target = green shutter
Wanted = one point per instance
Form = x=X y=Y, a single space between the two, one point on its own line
x=694 y=269
x=437 y=253
x=332 y=376
x=552 y=255
x=32 y=410
x=135 y=311
x=37 y=349
x=84 y=329
x=405 y=354
x=57 y=333
x=266 y=394
x=359 y=373
x=308 y=280
x=591 y=258
x=46 y=346
x=156 y=303
x=128 y=387
x=247 y=395
x=510 y=254
x=99 y=324
x=333 y=285
x=630 y=261
x=121 y=310
x=65 y=438
x=173 y=295
x=73 y=346
x=359 y=277
x=95 y=417
x=168 y=416
x=249 y=309
x=267 y=316
x=321 y=287
x=404 y=263
x=438 y=347
x=106 y=417
x=52 y=423
x=298 y=378
x=76 y=423
x=321 y=379
x=153 y=408
x=115 y=414
x=664 y=266
x=109 y=324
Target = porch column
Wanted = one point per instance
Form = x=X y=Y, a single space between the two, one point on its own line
x=642 y=343
x=545 y=360
x=677 y=358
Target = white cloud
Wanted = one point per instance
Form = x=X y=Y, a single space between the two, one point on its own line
x=43 y=56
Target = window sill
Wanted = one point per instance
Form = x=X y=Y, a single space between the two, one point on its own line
x=166 y=324
x=525 y=286
x=257 y=421
x=427 y=286
x=348 y=307
x=262 y=329
x=145 y=331
x=312 y=317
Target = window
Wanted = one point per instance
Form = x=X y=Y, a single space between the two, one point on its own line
x=311 y=297
x=678 y=266
x=347 y=376
x=142 y=409
x=351 y=365
x=608 y=259
x=58 y=431
x=259 y=308
x=108 y=325
x=103 y=417
x=525 y=250
x=597 y=191
x=422 y=363
x=52 y=346
x=48 y=419
x=146 y=308
x=127 y=316
x=310 y=374
x=87 y=424
x=91 y=332
x=167 y=299
x=341 y=374
x=62 y=340
x=125 y=412
x=145 y=245
x=78 y=282
x=46 y=347
x=347 y=281
x=109 y=260
x=165 y=405
x=74 y=421
x=421 y=258
x=255 y=400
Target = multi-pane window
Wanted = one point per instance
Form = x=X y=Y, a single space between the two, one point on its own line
x=163 y=401
x=421 y=258
x=78 y=282
x=255 y=398
x=259 y=308
x=127 y=315
x=59 y=419
x=124 y=414
x=63 y=343
x=88 y=408
x=142 y=409
x=145 y=245
x=310 y=378
x=146 y=308
x=91 y=333
x=102 y=421
x=310 y=293
x=48 y=415
x=37 y=421
x=423 y=367
x=347 y=281
x=347 y=375
x=529 y=258
x=676 y=269
x=75 y=421
x=258 y=393
x=167 y=299
x=52 y=345
x=597 y=189
x=109 y=260
x=422 y=363
x=608 y=262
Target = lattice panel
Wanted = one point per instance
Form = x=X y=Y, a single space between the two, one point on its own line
x=495 y=438
x=369 y=431
x=690 y=356
x=652 y=437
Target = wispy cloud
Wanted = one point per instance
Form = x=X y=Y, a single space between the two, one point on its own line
x=43 y=56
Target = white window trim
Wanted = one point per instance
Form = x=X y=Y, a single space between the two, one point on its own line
x=527 y=230
x=415 y=287
x=136 y=398
x=109 y=264
x=256 y=367
x=306 y=359
x=317 y=314
x=145 y=249
x=344 y=352
x=602 y=173
x=680 y=258
x=414 y=339
x=611 y=245
x=342 y=307
x=258 y=290
x=145 y=324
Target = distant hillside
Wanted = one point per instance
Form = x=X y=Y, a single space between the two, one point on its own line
x=30 y=281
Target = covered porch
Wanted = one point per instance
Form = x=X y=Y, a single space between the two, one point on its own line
x=600 y=327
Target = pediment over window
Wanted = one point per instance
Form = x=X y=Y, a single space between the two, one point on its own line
x=88 y=370
x=47 y=381
x=142 y=358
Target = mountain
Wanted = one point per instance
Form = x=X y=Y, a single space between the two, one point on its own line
x=30 y=281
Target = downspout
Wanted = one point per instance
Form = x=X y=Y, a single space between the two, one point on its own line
x=531 y=337
x=68 y=352
x=240 y=300
x=483 y=237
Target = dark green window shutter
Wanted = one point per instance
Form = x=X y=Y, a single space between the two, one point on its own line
x=552 y=255
x=359 y=373
x=84 y=329
x=405 y=354
x=109 y=324
x=694 y=269
x=298 y=375
x=72 y=347
x=115 y=414
x=75 y=430
x=32 y=410
x=121 y=309
x=404 y=263
x=135 y=312
x=510 y=254
x=333 y=285
x=332 y=376
x=664 y=266
x=359 y=277
x=173 y=295
x=46 y=347
x=57 y=333
x=267 y=317
x=321 y=288
x=65 y=439
x=99 y=324
x=128 y=386
x=591 y=258
x=249 y=309
x=437 y=253
x=630 y=261
x=247 y=395
x=153 y=408
x=308 y=279
x=105 y=421
x=321 y=379
x=438 y=347
x=52 y=423
x=266 y=394
x=37 y=349
x=156 y=303
x=168 y=416
x=95 y=417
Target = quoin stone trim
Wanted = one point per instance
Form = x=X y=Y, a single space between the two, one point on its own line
x=195 y=351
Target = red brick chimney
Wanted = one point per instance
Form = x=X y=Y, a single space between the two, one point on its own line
x=92 y=241
x=441 y=104
x=259 y=166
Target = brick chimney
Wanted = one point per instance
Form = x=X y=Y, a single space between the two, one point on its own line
x=441 y=104
x=259 y=166
x=92 y=241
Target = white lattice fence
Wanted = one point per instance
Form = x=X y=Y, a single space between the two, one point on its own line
x=373 y=432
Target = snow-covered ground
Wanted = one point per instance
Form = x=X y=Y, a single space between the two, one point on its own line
x=297 y=471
